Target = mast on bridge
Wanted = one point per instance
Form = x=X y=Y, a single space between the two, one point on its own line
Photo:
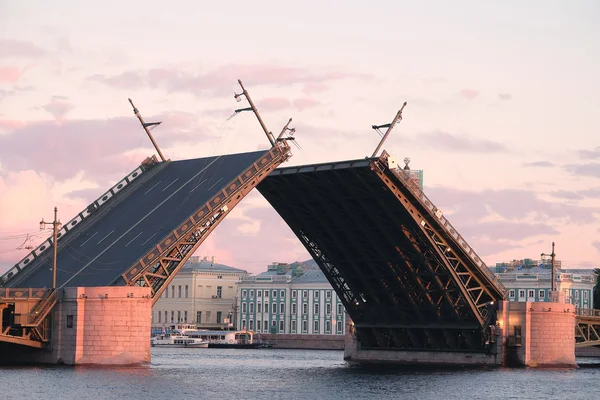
x=389 y=127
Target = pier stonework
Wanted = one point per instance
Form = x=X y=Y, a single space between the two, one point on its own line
x=98 y=325
x=538 y=334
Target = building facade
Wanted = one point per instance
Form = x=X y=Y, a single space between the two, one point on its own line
x=289 y=301
x=534 y=284
x=202 y=293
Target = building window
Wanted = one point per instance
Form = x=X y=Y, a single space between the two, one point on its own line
x=316 y=326
x=542 y=293
x=293 y=308
x=266 y=326
x=258 y=325
x=259 y=307
x=185 y=316
x=305 y=294
x=521 y=293
x=165 y=317
x=293 y=294
x=266 y=293
x=259 y=294
x=281 y=326
x=327 y=326
x=251 y=308
x=219 y=276
x=273 y=323
x=316 y=294
x=531 y=293
x=339 y=327
x=304 y=308
x=198 y=317
x=219 y=292
x=282 y=294
x=585 y=295
x=251 y=326
x=511 y=293
x=339 y=309
x=244 y=308
x=316 y=308
x=304 y=326
x=69 y=321
x=281 y=308
x=252 y=294
x=179 y=291
x=172 y=316
x=328 y=308
x=328 y=294
x=274 y=308
x=178 y=316
x=293 y=326
x=167 y=292
x=173 y=291
x=266 y=307
x=274 y=293
x=243 y=324
x=243 y=294
x=159 y=317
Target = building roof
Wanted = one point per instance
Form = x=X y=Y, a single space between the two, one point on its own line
x=207 y=265
x=311 y=276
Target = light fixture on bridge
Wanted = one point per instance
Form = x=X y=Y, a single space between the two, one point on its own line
x=56 y=226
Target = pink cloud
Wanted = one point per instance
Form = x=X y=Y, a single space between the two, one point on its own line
x=19 y=48
x=58 y=107
x=305 y=103
x=312 y=87
x=273 y=103
x=223 y=77
x=10 y=74
x=468 y=94
x=9 y=124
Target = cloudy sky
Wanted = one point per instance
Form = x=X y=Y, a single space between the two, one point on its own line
x=501 y=116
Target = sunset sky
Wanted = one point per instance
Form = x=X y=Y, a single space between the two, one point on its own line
x=502 y=111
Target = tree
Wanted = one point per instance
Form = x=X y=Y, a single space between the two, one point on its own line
x=597 y=289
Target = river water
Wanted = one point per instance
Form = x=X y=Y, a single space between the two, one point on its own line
x=289 y=374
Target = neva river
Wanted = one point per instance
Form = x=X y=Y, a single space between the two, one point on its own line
x=221 y=374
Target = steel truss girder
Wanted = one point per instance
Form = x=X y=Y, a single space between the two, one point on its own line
x=587 y=331
x=158 y=267
x=476 y=294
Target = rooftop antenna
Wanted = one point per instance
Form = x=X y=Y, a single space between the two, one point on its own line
x=145 y=125
x=253 y=109
x=389 y=127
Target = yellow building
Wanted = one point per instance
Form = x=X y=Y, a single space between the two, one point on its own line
x=202 y=293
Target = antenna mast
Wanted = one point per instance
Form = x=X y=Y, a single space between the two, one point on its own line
x=145 y=125
x=253 y=109
x=389 y=127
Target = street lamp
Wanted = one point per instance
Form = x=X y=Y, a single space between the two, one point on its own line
x=56 y=225
x=552 y=260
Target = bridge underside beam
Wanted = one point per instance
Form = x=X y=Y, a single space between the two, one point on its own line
x=587 y=331
x=398 y=288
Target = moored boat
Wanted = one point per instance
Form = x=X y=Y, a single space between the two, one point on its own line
x=177 y=340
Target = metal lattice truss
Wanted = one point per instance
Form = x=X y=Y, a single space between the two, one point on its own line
x=587 y=329
x=32 y=329
x=158 y=267
x=404 y=284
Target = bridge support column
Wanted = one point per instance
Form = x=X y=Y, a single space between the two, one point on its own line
x=538 y=334
x=97 y=325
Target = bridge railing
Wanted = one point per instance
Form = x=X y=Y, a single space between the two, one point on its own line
x=587 y=312
x=23 y=294
x=75 y=222
x=410 y=183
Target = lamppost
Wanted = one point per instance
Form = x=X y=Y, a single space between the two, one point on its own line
x=552 y=261
x=56 y=225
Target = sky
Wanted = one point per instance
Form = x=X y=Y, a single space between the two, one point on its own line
x=501 y=115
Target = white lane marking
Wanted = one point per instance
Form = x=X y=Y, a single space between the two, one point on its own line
x=148 y=191
x=88 y=239
x=137 y=223
x=138 y=235
x=146 y=241
x=213 y=185
x=196 y=187
x=111 y=232
x=170 y=184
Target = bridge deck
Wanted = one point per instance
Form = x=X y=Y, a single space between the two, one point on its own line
x=102 y=248
x=368 y=234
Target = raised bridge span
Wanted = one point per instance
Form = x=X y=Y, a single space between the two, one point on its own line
x=407 y=278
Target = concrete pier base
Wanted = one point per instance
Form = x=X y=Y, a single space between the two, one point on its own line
x=95 y=325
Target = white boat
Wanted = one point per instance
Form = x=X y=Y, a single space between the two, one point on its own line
x=178 y=340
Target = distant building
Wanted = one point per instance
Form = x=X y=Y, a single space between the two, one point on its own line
x=534 y=284
x=290 y=298
x=202 y=293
